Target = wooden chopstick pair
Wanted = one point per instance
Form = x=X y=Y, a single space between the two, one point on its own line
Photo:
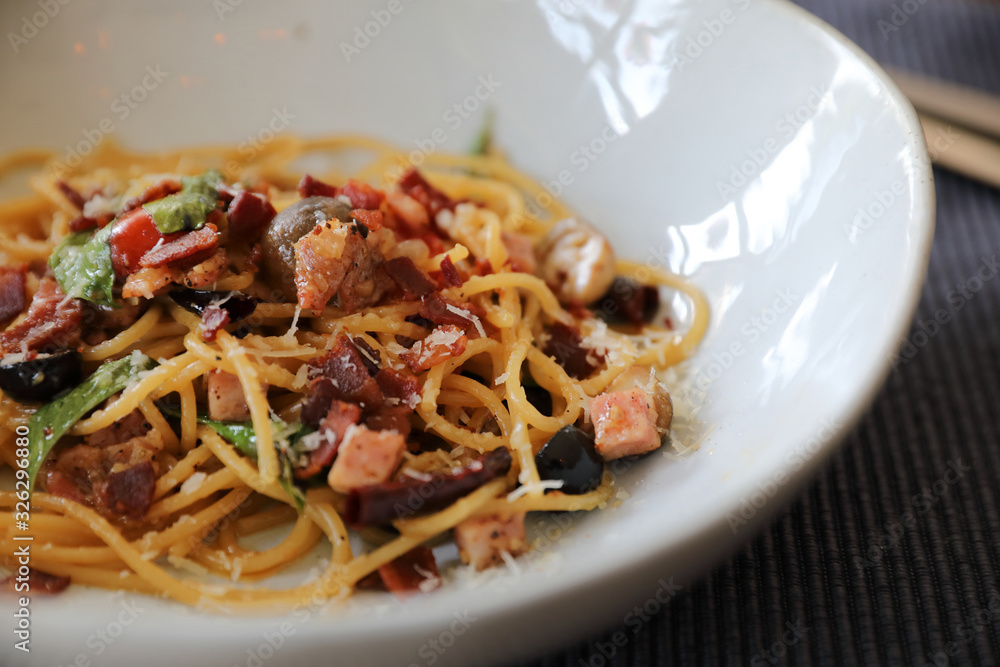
x=961 y=125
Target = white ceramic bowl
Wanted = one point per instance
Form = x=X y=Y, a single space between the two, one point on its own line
x=740 y=142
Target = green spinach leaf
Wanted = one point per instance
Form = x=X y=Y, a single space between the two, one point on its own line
x=244 y=438
x=204 y=184
x=52 y=420
x=189 y=208
x=82 y=266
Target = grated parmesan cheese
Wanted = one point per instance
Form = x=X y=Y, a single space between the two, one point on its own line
x=512 y=565
x=467 y=315
x=542 y=486
x=294 y=327
x=193 y=483
x=187 y=565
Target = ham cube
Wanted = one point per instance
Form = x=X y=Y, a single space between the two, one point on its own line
x=366 y=457
x=520 y=251
x=624 y=423
x=482 y=540
x=226 y=401
x=409 y=211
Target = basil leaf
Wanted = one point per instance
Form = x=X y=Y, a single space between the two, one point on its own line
x=52 y=420
x=82 y=266
x=184 y=211
x=244 y=438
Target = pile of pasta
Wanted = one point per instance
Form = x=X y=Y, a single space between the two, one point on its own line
x=210 y=498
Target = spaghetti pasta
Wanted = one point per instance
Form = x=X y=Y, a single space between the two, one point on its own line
x=309 y=358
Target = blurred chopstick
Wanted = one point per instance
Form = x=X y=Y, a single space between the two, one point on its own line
x=942 y=106
x=966 y=153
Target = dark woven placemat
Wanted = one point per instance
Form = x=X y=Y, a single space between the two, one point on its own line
x=892 y=556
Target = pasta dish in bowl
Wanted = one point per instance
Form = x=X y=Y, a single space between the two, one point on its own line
x=195 y=354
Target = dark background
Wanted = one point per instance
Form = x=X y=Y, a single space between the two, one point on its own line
x=891 y=556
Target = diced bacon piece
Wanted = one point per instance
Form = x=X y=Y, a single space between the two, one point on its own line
x=53 y=321
x=82 y=223
x=336 y=258
x=442 y=344
x=442 y=310
x=624 y=423
x=249 y=215
x=38 y=581
x=13 y=280
x=206 y=273
x=414 y=571
x=362 y=195
x=370 y=357
x=226 y=400
x=152 y=193
x=414 y=185
x=133 y=236
x=212 y=321
x=366 y=457
x=188 y=248
x=408 y=277
x=113 y=472
x=382 y=503
x=132 y=425
x=373 y=220
x=332 y=430
x=402 y=387
x=390 y=418
x=310 y=187
x=346 y=376
x=147 y=283
x=72 y=194
x=409 y=211
x=434 y=243
x=521 y=252
x=565 y=345
x=129 y=493
x=449 y=274
x=482 y=540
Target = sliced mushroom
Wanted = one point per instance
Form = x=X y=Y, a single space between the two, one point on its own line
x=576 y=261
